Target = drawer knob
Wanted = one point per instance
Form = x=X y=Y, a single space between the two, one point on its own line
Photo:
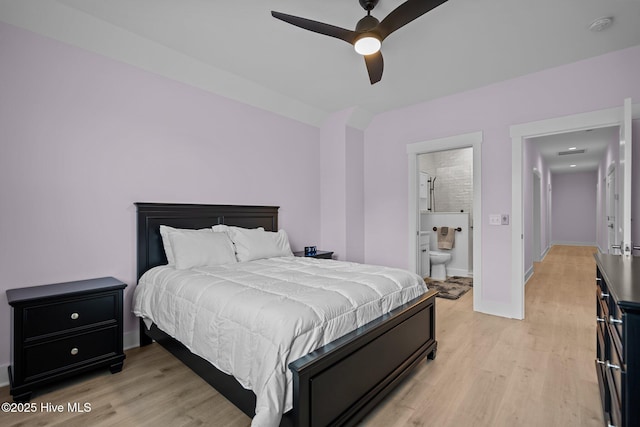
x=75 y=316
x=612 y=320
x=603 y=295
x=599 y=362
x=74 y=351
x=600 y=320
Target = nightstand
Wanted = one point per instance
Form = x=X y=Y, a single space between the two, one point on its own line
x=62 y=330
x=318 y=254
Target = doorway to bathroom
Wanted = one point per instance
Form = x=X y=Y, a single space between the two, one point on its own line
x=446 y=209
x=444 y=235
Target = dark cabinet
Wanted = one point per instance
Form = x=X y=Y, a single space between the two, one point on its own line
x=64 y=329
x=618 y=338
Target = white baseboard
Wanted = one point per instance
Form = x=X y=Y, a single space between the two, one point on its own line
x=528 y=275
x=544 y=254
x=458 y=272
x=130 y=339
x=497 y=309
x=565 y=243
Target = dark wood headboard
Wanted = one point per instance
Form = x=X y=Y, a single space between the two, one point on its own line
x=151 y=216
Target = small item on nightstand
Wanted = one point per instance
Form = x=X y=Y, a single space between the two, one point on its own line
x=310 y=250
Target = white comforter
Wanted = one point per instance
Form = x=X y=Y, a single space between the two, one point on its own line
x=251 y=319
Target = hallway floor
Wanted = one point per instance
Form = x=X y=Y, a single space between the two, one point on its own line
x=498 y=372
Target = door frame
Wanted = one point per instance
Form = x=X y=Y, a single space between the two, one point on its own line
x=611 y=205
x=537 y=216
x=519 y=133
x=474 y=141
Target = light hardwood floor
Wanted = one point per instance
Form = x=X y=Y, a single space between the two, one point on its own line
x=489 y=371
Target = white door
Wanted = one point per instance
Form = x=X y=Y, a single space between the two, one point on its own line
x=611 y=212
x=624 y=181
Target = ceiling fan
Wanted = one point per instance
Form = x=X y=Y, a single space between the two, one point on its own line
x=369 y=33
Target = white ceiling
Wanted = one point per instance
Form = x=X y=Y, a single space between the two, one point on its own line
x=594 y=142
x=236 y=49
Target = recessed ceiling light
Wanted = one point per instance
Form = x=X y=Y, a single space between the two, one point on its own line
x=601 y=23
x=572 y=166
x=573 y=148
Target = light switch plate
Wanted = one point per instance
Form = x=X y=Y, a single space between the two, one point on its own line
x=494 y=219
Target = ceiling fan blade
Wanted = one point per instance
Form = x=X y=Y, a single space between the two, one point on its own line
x=375 y=65
x=405 y=13
x=317 y=27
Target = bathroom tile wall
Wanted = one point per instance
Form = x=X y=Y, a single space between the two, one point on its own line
x=453 y=170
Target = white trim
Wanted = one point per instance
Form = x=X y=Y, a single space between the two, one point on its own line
x=528 y=275
x=570 y=243
x=131 y=339
x=459 y=272
x=576 y=122
x=473 y=140
x=626 y=162
x=446 y=143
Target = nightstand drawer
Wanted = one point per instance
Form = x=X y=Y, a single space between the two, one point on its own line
x=63 y=316
x=69 y=352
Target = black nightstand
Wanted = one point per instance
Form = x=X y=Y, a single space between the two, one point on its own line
x=62 y=330
x=318 y=254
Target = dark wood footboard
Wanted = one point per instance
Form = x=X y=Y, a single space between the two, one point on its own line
x=342 y=381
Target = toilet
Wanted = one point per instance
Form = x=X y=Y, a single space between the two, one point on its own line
x=438 y=260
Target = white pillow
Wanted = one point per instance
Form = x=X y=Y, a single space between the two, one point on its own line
x=257 y=244
x=164 y=233
x=192 y=248
x=221 y=228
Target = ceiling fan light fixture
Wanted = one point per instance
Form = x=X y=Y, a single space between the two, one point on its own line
x=367 y=45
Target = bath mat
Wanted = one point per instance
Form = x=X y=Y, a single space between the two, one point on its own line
x=452 y=288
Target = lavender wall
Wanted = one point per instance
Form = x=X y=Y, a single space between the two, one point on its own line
x=603 y=83
x=574 y=208
x=333 y=191
x=355 y=195
x=84 y=137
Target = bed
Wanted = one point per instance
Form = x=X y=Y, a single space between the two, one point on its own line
x=337 y=384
